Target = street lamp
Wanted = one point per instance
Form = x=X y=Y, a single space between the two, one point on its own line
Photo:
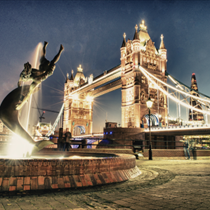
x=149 y=106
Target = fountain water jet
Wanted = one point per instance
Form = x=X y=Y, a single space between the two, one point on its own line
x=28 y=115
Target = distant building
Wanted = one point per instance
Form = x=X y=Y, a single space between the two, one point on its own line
x=110 y=124
x=41 y=129
x=194 y=115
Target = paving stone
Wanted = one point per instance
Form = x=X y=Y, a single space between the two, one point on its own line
x=163 y=184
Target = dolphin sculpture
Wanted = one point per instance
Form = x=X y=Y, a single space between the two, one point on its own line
x=9 y=116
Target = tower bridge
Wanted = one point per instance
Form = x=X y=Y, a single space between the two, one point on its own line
x=141 y=74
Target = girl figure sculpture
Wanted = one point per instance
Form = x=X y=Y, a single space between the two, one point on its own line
x=46 y=69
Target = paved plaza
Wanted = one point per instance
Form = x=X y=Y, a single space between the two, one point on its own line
x=163 y=184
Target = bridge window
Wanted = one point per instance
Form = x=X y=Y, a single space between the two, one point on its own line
x=78 y=130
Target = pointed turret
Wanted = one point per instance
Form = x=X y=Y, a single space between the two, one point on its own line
x=123 y=53
x=67 y=77
x=136 y=35
x=72 y=75
x=194 y=85
x=163 y=53
x=136 y=48
x=143 y=35
x=79 y=77
x=124 y=41
x=162 y=45
x=194 y=115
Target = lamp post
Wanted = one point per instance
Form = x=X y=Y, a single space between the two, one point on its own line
x=149 y=106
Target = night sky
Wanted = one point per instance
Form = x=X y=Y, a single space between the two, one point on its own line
x=92 y=33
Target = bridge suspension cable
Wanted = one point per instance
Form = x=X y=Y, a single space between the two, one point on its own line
x=174 y=88
x=175 y=99
x=182 y=86
x=186 y=88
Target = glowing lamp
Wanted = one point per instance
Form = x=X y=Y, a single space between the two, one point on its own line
x=149 y=103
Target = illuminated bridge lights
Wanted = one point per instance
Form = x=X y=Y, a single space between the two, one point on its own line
x=118 y=70
x=89 y=135
x=177 y=128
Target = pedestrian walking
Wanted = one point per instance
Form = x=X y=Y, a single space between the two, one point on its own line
x=67 y=141
x=192 y=148
x=186 y=149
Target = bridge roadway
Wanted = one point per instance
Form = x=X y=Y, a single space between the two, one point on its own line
x=159 y=131
x=180 y=130
x=103 y=79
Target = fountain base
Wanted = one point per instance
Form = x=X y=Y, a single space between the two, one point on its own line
x=66 y=170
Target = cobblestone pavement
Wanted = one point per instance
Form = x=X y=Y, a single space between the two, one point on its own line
x=163 y=184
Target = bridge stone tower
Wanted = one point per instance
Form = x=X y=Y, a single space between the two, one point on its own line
x=78 y=108
x=136 y=89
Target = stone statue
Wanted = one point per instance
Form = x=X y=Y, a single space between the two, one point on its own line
x=14 y=101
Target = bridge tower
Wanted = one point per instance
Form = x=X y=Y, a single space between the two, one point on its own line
x=136 y=90
x=78 y=108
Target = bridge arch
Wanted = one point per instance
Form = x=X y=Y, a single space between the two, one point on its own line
x=154 y=121
x=78 y=130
